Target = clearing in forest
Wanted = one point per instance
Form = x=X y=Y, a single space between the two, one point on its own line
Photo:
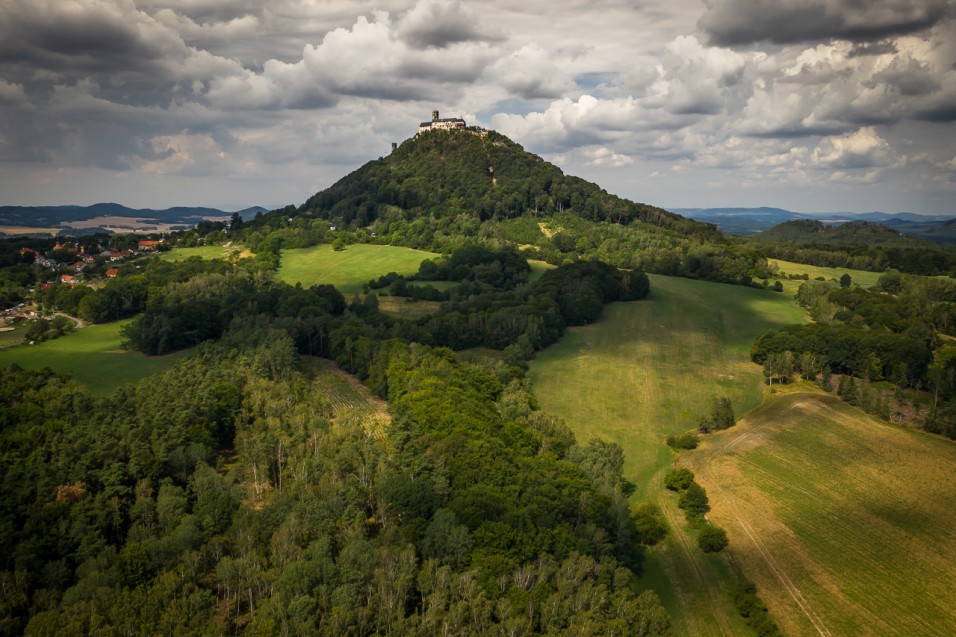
x=205 y=252
x=844 y=521
x=350 y=268
x=352 y=402
x=857 y=277
x=93 y=356
x=649 y=369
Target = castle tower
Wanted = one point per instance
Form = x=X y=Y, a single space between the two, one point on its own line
x=434 y=116
x=394 y=145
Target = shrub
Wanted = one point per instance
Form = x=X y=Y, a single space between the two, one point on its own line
x=712 y=539
x=678 y=479
x=684 y=441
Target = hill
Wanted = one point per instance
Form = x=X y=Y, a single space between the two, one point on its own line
x=856 y=233
x=447 y=173
x=106 y=216
x=748 y=221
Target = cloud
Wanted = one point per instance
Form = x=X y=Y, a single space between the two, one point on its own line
x=531 y=73
x=567 y=123
x=441 y=23
x=743 y=22
x=604 y=156
x=861 y=149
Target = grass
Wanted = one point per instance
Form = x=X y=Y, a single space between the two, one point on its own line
x=537 y=269
x=352 y=402
x=858 y=277
x=347 y=269
x=92 y=356
x=844 y=521
x=13 y=335
x=205 y=252
x=650 y=369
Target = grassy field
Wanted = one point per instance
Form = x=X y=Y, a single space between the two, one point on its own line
x=844 y=522
x=347 y=269
x=647 y=370
x=205 y=252
x=352 y=402
x=12 y=335
x=92 y=356
x=859 y=277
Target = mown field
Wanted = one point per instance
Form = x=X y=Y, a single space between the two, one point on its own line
x=92 y=356
x=205 y=252
x=859 y=277
x=845 y=522
x=347 y=269
x=650 y=369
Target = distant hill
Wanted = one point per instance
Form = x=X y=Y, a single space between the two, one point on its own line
x=85 y=219
x=747 y=221
x=868 y=233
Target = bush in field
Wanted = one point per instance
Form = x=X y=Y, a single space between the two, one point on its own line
x=678 y=479
x=684 y=441
x=712 y=539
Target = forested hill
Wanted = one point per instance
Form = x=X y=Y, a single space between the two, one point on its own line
x=447 y=173
x=855 y=233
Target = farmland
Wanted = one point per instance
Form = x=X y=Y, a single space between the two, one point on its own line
x=347 y=269
x=647 y=370
x=204 y=252
x=843 y=521
x=92 y=356
x=859 y=277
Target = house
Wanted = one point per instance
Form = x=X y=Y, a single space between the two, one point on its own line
x=69 y=279
x=112 y=273
x=78 y=266
x=45 y=262
x=27 y=251
x=148 y=245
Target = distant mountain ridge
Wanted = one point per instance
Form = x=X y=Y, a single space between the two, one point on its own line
x=61 y=217
x=746 y=221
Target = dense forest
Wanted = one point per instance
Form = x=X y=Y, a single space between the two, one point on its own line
x=226 y=495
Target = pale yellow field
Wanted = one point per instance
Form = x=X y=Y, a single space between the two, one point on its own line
x=845 y=522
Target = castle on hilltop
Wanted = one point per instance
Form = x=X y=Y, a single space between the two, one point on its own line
x=452 y=123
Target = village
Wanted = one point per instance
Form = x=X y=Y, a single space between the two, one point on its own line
x=69 y=262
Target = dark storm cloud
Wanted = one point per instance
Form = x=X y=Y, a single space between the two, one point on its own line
x=91 y=37
x=743 y=22
x=873 y=48
x=441 y=23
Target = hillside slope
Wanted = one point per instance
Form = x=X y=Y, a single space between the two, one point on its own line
x=445 y=173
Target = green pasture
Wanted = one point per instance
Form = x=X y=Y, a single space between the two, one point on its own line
x=92 y=356
x=205 y=252
x=12 y=335
x=537 y=269
x=347 y=269
x=858 y=277
x=649 y=369
x=844 y=521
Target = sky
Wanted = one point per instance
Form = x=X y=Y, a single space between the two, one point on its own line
x=809 y=105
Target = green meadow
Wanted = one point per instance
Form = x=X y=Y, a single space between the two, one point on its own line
x=844 y=521
x=93 y=356
x=350 y=268
x=649 y=369
x=205 y=252
x=858 y=277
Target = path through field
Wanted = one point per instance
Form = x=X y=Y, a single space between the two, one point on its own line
x=844 y=521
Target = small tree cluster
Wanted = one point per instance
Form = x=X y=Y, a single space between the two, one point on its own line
x=684 y=441
x=721 y=416
x=754 y=611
